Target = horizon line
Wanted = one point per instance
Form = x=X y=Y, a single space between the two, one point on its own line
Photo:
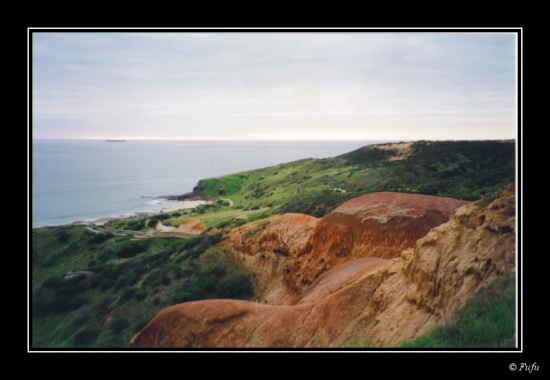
x=280 y=139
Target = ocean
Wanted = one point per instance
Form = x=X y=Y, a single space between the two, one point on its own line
x=84 y=180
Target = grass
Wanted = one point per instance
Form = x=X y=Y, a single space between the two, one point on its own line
x=462 y=170
x=127 y=282
x=488 y=321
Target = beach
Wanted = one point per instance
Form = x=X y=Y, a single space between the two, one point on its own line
x=183 y=205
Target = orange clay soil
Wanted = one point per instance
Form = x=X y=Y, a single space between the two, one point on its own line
x=380 y=269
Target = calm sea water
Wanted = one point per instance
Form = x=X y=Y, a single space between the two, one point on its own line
x=75 y=180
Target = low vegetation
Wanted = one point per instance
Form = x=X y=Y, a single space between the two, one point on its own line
x=98 y=292
x=457 y=169
x=488 y=321
x=98 y=289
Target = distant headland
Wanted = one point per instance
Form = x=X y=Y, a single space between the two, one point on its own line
x=116 y=140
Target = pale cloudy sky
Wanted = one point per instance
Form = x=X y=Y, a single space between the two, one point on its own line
x=256 y=85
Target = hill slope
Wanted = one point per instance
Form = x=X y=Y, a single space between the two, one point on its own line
x=382 y=301
x=98 y=287
x=455 y=169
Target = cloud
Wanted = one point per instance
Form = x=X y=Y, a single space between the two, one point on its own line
x=237 y=85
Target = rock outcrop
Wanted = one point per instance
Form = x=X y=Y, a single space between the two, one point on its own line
x=373 y=225
x=381 y=268
x=268 y=248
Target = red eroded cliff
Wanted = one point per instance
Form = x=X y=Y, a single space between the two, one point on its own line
x=373 y=225
x=382 y=268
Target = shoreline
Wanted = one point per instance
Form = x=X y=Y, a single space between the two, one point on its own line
x=180 y=205
x=183 y=205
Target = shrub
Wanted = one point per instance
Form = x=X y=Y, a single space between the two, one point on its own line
x=78 y=301
x=71 y=289
x=118 y=324
x=235 y=286
x=223 y=224
x=87 y=336
x=112 y=272
x=126 y=295
x=140 y=294
x=132 y=248
x=240 y=223
x=181 y=297
x=121 y=282
x=82 y=313
x=107 y=283
x=95 y=281
x=105 y=303
x=63 y=236
x=100 y=238
x=106 y=253
x=52 y=282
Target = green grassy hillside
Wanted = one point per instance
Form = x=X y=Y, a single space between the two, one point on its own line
x=98 y=290
x=462 y=170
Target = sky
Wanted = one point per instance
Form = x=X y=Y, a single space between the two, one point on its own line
x=322 y=85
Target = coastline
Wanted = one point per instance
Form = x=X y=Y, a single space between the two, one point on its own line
x=183 y=205
x=180 y=205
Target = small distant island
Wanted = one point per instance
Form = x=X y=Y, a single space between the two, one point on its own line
x=116 y=140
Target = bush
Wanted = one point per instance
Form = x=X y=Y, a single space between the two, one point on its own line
x=106 y=253
x=121 y=282
x=78 y=301
x=71 y=289
x=222 y=202
x=182 y=297
x=215 y=276
x=87 y=336
x=83 y=313
x=238 y=286
x=126 y=295
x=95 y=281
x=132 y=248
x=223 y=224
x=63 y=236
x=106 y=284
x=140 y=294
x=112 y=272
x=100 y=238
x=118 y=324
x=52 y=282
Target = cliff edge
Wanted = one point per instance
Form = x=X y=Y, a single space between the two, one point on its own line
x=381 y=268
